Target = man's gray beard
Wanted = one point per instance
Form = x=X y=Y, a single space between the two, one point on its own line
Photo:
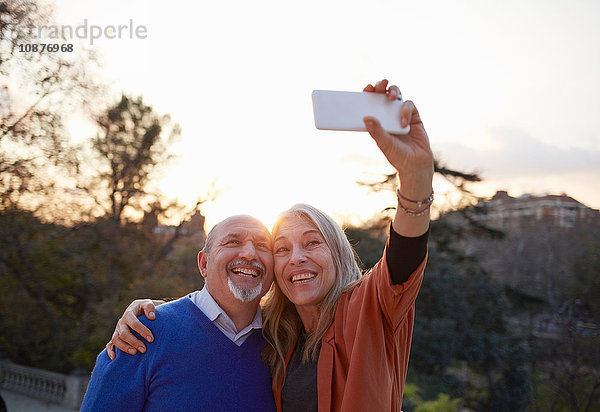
x=243 y=294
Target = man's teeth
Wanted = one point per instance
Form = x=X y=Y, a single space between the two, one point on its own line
x=245 y=272
x=303 y=276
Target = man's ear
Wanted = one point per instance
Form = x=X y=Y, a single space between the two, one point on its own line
x=202 y=262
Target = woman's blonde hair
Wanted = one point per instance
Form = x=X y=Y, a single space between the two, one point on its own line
x=281 y=322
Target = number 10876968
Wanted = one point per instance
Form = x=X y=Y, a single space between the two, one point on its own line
x=45 y=47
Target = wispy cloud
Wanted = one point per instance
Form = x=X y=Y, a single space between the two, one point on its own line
x=515 y=153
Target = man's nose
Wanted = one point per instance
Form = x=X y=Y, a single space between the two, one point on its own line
x=248 y=251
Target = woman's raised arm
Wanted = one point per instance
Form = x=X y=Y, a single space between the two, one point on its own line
x=412 y=158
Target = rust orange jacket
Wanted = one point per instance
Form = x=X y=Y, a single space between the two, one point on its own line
x=364 y=354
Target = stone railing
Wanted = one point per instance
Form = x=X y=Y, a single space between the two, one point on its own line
x=52 y=387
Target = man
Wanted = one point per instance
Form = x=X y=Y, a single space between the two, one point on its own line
x=208 y=352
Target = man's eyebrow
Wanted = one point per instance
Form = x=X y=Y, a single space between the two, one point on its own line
x=237 y=235
x=233 y=235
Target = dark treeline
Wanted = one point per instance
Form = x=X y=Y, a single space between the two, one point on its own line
x=63 y=287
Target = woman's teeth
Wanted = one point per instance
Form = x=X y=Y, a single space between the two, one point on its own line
x=303 y=277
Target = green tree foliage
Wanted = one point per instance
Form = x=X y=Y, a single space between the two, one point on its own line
x=567 y=370
x=461 y=329
x=443 y=403
x=551 y=273
x=58 y=306
x=45 y=293
x=413 y=402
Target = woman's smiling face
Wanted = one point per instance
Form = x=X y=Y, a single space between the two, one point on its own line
x=304 y=267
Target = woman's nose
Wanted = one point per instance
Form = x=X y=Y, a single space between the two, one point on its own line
x=298 y=256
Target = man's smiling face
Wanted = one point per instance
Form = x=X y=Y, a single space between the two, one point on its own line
x=238 y=265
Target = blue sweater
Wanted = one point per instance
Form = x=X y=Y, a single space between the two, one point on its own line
x=191 y=366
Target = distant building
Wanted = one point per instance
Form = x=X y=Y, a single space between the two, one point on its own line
x=506 y=212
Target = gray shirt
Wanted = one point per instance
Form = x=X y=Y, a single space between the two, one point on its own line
x=301 y=396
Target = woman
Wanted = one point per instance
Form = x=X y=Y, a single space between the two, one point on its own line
x=339 y=341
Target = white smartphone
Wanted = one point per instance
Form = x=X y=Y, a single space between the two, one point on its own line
x=335 y=110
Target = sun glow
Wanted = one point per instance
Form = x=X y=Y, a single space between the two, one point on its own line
x=242 y=94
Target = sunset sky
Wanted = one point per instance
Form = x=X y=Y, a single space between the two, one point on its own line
x=509 y=89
